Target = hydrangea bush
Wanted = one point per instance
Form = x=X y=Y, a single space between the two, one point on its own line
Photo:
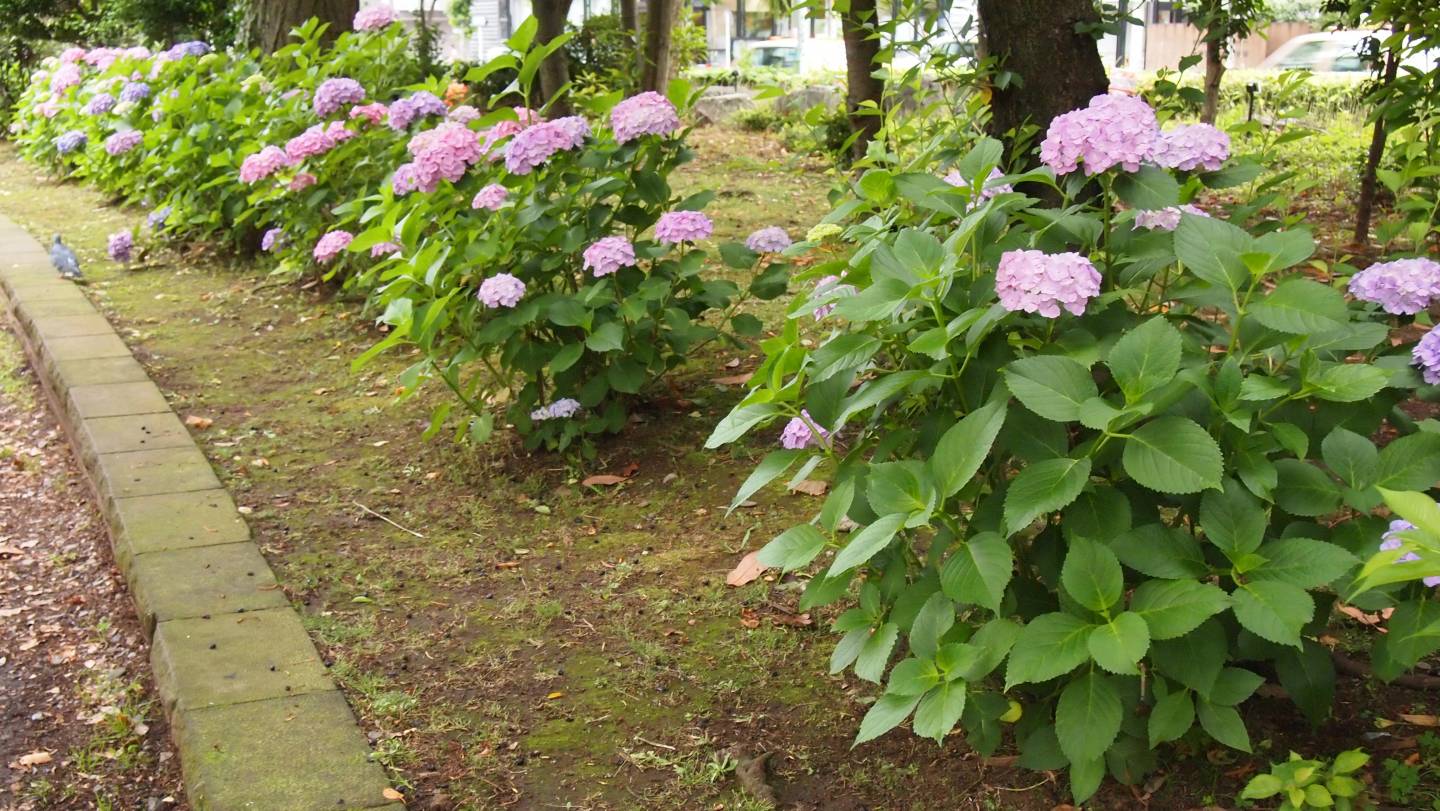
x=1095 y=466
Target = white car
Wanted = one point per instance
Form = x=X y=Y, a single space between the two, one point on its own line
x=1335 y=52
x=804 y=56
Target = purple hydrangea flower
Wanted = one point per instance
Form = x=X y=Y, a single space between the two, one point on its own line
x=771 y=239
x=830 y=288
x=122 y=142
x=120 y=246
x=1192 y=146
x=1037 y=282
x=99 y=104
x=988 y=190
x=373 y=18
x=272 y=239
x=1114 y=130
x=463 y=114
x=608 y=254
x=443 y=153
x=158 y=218
x=533 y=146
x=1166 y=219
x=135 y=92
x=561 y=409
x=1391 y=541
x=799 y=434
x=68 y=142
x=647 y=113
x=332 y=94
x=404 y=180
x=383 y=249
x=675 y=227
x=491 y=197
x=420 y=104
x=263 y=164
x=183 y=49
x=330 y=245
x=501 y=290
x=1426 y=355
x=1400 y=286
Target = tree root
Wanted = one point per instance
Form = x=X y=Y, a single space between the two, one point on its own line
x=1352 y=667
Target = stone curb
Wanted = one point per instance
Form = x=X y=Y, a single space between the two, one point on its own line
x=257 y=719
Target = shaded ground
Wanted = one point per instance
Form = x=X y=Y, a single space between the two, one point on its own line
x=520 y=640
x=79 y=727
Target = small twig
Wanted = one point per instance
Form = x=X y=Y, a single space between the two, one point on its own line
x=1345 y=664
x=387 y=520
x=652 y=743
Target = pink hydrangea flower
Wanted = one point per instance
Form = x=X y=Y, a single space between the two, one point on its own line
x=1426 y=355
x=830 y=288
x=330 y=245
x=561 y=409
x=317 y=140
x=1114 y=130
x=675 y=227
x=608 y=254
x=374 y=112
x=771 y=239
x=374 y=18
x=1165 y=219
x=1400 y=286
x=1192 y=146
x=301 y=181
x=383 y=249
x=799 y=434
x=491 y=197
x=445 y=152
x=71 y=55
x=501 y=290
x=120 y=246
x=647 y=113
x=103 y=58
x=1391 y=541
x=122 y=142
x=263 y=164
x=65 y=77
x=463 y=114
x=332 y=94
x=534 y=145
x=1037 y=282
x=47 y=108
x=405 y=180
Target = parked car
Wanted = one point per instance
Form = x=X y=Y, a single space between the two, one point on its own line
x=804 y=56
x=1335 y=52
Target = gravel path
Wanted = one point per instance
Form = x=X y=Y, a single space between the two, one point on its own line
x=79 y=725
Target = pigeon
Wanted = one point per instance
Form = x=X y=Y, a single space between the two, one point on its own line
x=65 y=260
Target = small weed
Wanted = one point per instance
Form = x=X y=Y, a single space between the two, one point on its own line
x=1401 y=780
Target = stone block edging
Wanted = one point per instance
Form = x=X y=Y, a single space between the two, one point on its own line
x=257 y=719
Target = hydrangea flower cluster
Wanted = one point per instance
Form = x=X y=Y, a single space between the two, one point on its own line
x=71 y=55
x=534 y=145
x=316 y=140
x=1192 y=146
x=272 y=239
x=491 y=197
x=135 y=92
x=263 y=164
x=122 y=142
x=158 y=218
x=120 y=246
x=675 y=227
x=383 y=249
x=64 y=78
x=799 y=434
x=1400 y=286
x=1166 y=219
x=444 y=152
x=987 y=190
x=561 y=409
x=1426 y=355
x=501 y=290
x=332 y=94
x=608 y=254
x=47 y=109
x=301 y=181
x=647 y=113
x=103 y=58
x=180 y=50
x=463 y=114
x=828 y=286
x=374 y=112
x=330 y=245
x=419 y=104
x=771 y=239
x=99 y=104
x=1114 y=130
x=1037 y=282
x=1391 y=541
x=68 y=142
x=374 y=18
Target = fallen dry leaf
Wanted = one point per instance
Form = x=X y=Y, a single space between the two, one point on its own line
x=1421 y=720
x=749 y=618
x=811 y=487
x=731 y=380
x=555 y=695
x=35 y=759
x=391 y=794
x=198 y=422
x=602 y=479
x=1363 y=617
x=792 y=620
x=746 y=570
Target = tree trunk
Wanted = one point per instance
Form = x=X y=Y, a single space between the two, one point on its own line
x=1059 y=68
x=1365 y=205
x=628 y=19
x=1214 y=69
x=857 y=25
x=267 y=23
x=660 y=19
x=555 y=70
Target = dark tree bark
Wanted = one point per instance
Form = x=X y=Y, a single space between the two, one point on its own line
x=267 y=23
x=555 y=70
x=660 y=18
x=1365 y=205
x=628 y=19
x=857 y=26
x=1214 y=70
x=1059 y=68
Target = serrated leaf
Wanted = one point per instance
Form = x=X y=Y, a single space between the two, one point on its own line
x=1051 y=386
x=1173 y=608
x=866 y=543
x=978 y=571
x=1160 y=551
x=1303 y=562
x=1088 y=716
x=1303 y=489
x=1232 y=520
x=1050 y=645
x=1300 y=307
x=1211 y=248
x=934 y=619
x=1145 y=358
x=1414 y=633
x=888 y=712
x=1409 y=463
x=1351 y=457
x=739 y=421
x=940 y=710
x=1194 y=660
x=793 y=548
x=1118 y=644
x=1173 y=455
x=1150 y=188
x=875 y=653
x=1349 y=382
x=912 y=677
x=1273 y=610
x=1223 y=724
x=772 y=467
x=1091 y=575
x=962 y=449
x=1308 y=676
x=1043 y=488
x=1233 y=686
x=1171 y=717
